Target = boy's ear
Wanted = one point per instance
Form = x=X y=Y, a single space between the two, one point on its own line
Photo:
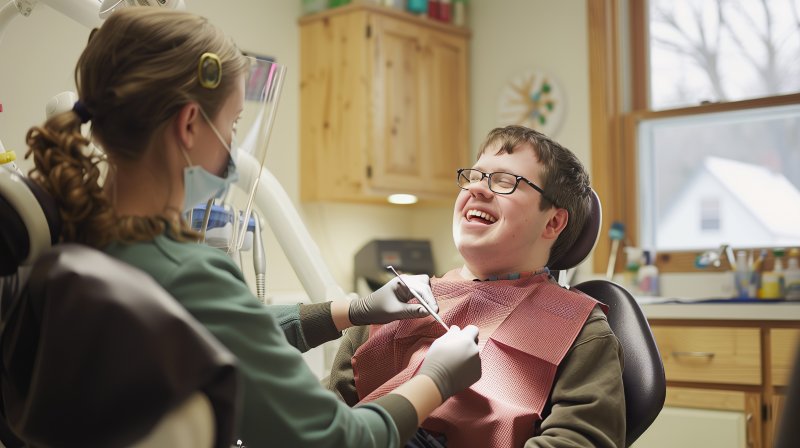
x=556 y=224
x=185 y=125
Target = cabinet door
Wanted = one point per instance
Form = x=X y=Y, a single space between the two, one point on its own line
x=396 y=152
x=706 y=418
x=784 y=348
x=334 y=98
x=445 y=119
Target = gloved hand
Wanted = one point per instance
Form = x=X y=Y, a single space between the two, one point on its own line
x=453 y=361
x=389 y=303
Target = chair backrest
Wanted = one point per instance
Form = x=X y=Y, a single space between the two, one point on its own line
x=643 y=376
x=92 y=351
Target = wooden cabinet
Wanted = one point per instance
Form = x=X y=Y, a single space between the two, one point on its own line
x=736 y=370
x=383 y=105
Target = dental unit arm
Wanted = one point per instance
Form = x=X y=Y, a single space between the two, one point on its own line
x=300 y=249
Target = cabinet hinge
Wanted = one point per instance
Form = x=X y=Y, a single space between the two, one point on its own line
x=766 y=412
x=369 y=31
x=369 y=171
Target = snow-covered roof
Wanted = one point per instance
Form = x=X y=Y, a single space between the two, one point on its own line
x=771 y=198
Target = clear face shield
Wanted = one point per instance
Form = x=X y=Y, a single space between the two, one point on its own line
x=227 y=220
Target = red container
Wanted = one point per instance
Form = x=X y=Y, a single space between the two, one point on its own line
x=446 y=11
x=433 y=9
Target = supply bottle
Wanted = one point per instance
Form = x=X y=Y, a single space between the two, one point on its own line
x=772 y=281
x=758 y=269
x=648 y=276
x=460 y=12
x=633 y=261
x=792 y=275
x=742 y=275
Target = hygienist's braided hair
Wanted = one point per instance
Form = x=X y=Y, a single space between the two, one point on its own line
x=134 y=75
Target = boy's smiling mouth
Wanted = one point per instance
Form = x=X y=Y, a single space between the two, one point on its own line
x=474 y=215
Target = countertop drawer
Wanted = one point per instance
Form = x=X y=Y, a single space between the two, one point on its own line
x=784 y=343
x=725 y=355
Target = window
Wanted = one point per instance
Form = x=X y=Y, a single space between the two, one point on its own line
x=740 y=168
x=715 y=50
x=696 y=123
x=709 y=215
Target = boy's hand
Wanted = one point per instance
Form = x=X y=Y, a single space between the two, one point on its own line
x=390 y=302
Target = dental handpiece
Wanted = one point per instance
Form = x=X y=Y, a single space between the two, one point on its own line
x=259 y=260
x=421 y=300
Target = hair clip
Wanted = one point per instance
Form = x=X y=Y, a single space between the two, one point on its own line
x=209 y=70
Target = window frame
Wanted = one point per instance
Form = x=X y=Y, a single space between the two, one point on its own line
x=615 y=117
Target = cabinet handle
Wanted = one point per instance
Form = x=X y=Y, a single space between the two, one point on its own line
x=708 y=355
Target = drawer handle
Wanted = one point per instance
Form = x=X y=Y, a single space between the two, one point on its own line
x=708 y=355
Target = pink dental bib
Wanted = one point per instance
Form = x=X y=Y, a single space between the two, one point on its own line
x=538 y=323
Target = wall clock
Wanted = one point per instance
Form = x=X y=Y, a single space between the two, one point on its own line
x=533 y=99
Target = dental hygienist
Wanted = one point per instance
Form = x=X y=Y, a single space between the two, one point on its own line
x=162 y=91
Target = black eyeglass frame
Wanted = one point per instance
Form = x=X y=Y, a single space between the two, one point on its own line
x=488 y=177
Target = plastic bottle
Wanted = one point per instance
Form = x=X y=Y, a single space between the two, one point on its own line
x=772 y=281
x=648 y=276
x=742 y=275
x=791 y=276
x=460 y=12
x=755 y=279
x=633 y=261
x=419 y=7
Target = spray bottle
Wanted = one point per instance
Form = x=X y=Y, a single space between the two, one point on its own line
x=791 y=276
x=648 y=275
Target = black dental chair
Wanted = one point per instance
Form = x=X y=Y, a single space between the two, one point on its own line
x=93 y=353
x=643 y=378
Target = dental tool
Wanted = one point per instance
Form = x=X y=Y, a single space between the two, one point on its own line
x=421 y=300
x=259 y=260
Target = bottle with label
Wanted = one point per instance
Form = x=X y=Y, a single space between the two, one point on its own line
x=791 y=276
x=648 y=276
x=460 y=12
x=758 y=270
x=772 y=281
x=742 y=275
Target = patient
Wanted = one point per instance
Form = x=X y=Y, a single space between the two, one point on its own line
x=552 y=368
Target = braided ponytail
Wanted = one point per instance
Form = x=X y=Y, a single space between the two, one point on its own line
x=63 y=168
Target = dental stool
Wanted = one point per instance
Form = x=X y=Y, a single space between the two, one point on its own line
x=94 y=353
x=643 y=376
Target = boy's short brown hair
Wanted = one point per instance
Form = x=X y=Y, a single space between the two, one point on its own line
x=564 y=179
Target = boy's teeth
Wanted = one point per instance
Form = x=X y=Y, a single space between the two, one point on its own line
x=482 y=215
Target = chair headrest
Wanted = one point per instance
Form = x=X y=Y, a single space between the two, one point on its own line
x=586 y=239
x=29 y=221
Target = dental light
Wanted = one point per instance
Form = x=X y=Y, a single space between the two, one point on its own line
x=89 y=13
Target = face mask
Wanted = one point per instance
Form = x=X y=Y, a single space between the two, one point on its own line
x=199 y=184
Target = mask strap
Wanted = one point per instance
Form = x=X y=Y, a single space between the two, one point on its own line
x=216 y=132
x=186 y=156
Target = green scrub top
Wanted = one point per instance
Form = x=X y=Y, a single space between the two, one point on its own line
x=283 y=402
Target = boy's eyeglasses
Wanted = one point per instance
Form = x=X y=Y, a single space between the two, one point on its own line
x=499 y=183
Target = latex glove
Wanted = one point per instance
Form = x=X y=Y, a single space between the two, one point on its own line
x=453 y=361
x=390 y=302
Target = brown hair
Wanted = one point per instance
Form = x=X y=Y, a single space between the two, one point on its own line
x=137 y=71
x=564 y=179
